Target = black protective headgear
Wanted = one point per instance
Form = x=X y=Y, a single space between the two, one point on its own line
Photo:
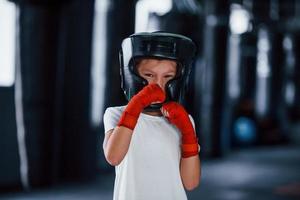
x=157 y=45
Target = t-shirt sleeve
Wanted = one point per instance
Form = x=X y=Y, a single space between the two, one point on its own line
x=111 y=118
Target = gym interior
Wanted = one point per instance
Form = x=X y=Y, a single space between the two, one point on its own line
x=59 y=71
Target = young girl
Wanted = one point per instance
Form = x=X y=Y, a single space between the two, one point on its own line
x=151 y=141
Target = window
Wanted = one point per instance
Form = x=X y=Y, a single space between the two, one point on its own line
x=7 y=43
x=99 y=60
x=144 y=8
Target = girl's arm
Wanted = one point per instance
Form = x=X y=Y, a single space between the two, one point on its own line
x=190 y=162
x=116 y=144
x=190 y=172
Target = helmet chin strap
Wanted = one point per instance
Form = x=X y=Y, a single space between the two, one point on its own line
x=153 y=107
x=156 y=106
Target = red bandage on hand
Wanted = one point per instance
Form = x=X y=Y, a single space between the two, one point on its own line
x=177 y=115
x=149 y=94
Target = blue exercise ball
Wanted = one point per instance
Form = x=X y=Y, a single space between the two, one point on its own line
x=244 y=130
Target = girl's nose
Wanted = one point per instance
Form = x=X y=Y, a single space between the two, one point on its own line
x=161 y=83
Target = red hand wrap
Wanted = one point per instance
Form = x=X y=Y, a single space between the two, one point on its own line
x=149 y=94
x=180 y=118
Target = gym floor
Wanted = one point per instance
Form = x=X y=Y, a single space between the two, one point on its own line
x=261 y=173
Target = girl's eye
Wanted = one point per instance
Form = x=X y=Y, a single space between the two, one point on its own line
x=169 y=76
x=149 y=75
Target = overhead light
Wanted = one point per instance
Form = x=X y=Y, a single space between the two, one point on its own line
x=143 y=10
x=239 y=19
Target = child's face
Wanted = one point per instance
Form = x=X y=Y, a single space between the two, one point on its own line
x=157 y=71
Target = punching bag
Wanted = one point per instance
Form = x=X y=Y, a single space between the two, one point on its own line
x=55 y=44
x=38 y=61
x=211 y=88
x=268 y=82
x=238 y=123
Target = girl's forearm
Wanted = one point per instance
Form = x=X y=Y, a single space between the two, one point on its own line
x=117 y=145
x=190 y=172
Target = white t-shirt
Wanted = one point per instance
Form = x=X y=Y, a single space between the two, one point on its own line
x=150 y=169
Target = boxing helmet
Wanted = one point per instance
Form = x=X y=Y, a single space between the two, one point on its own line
x=157 y=45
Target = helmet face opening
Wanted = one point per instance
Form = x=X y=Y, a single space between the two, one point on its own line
x=135 y=62
x=161 y=46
